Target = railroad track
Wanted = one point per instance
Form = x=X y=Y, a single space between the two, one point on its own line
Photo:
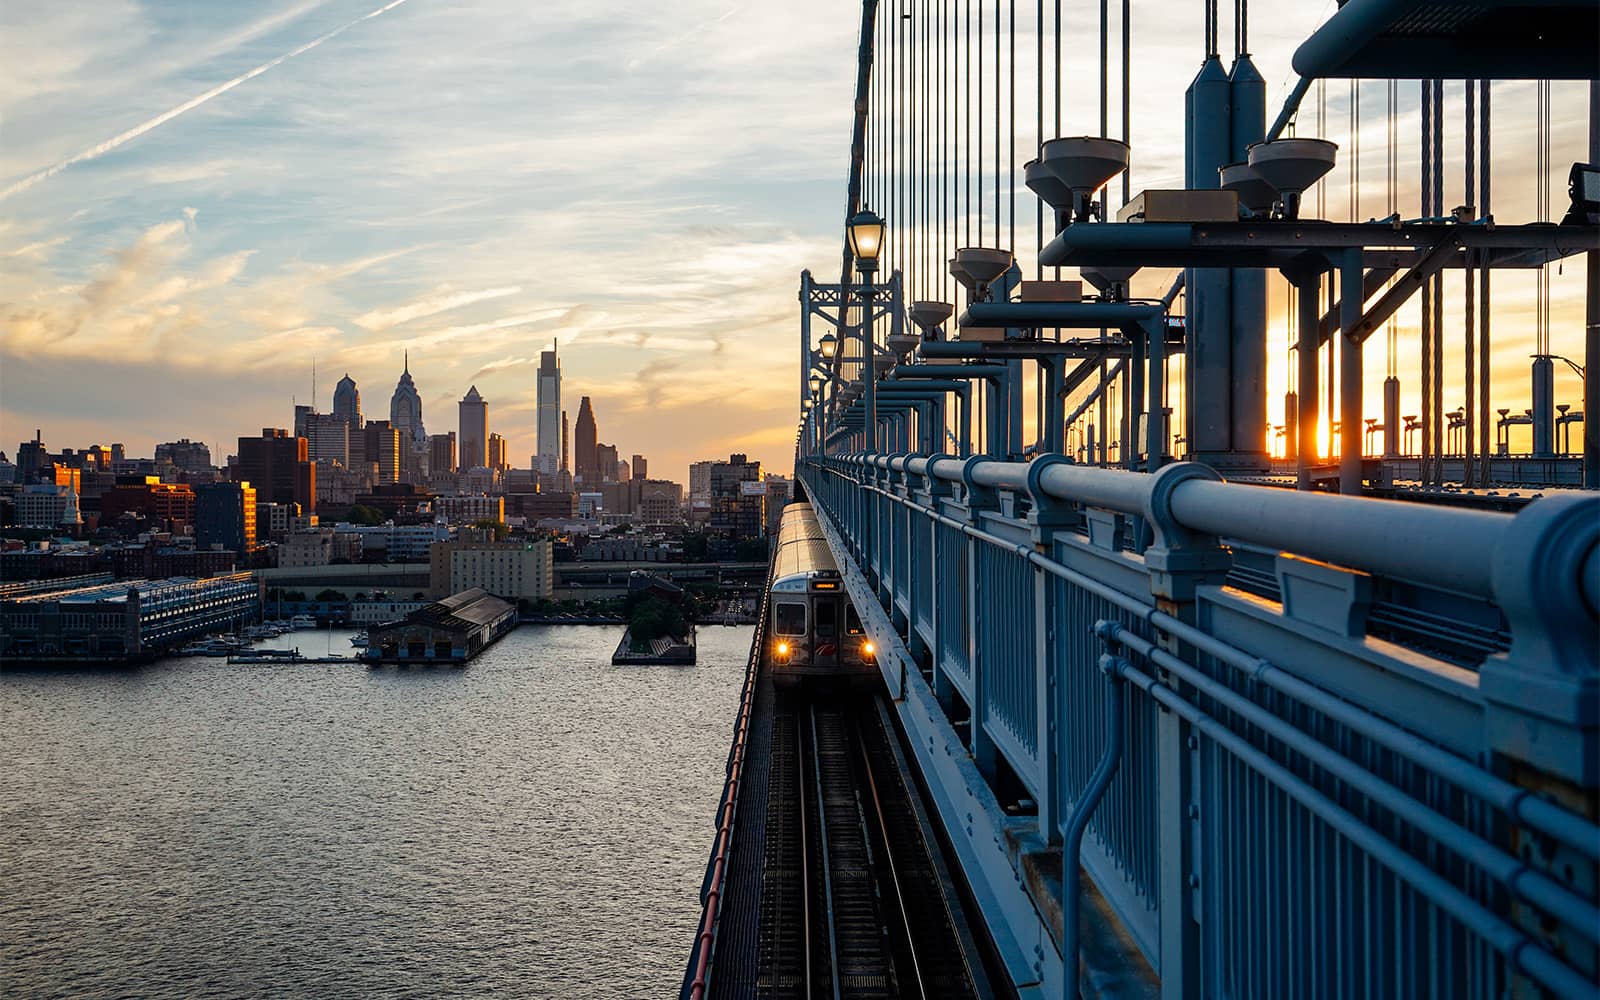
x=853 y=904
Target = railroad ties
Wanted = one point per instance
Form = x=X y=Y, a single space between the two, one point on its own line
x=853 y=903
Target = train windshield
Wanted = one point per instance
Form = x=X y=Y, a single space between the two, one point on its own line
x=789 y=619
x=852 y=624
x=826 y=613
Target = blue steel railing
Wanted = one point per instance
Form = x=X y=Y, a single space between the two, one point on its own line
x=1313 y=790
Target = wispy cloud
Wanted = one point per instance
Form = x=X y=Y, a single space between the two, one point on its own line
x=100 y=149
x=382 y=319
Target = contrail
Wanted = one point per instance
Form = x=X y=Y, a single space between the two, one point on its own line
x=103 y=148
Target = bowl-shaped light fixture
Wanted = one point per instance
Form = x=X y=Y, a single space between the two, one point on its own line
x=865 y=231
x=928 y=315
x=1292 y=165
x=828 y=345
x=977 y=267
x=814 y=382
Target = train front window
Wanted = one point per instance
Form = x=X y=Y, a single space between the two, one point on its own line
x=852 y=624
x=827 y=612
x=789 y=619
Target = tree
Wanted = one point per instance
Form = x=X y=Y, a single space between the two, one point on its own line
x=329 y=596
x=363 y=514
x=694 y=547
x=500 y=530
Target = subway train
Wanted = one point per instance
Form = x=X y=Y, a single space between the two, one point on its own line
x=813 y=634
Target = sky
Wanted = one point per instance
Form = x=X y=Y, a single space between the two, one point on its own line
x=196 y=199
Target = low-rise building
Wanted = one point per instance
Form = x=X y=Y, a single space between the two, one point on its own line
x=46 y=507
x=519 y=570
x=453 y=629
x=470 y=508
x=397 y=542
x=318 y=547
x=132 y=620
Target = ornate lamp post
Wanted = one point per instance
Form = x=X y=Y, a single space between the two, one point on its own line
x=865 y=232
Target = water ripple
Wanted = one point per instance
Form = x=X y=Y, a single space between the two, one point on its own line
x=533 y=825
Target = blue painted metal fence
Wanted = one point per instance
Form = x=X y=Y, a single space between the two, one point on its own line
x=1354 y=741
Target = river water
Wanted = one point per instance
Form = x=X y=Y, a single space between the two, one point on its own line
x=535 y=824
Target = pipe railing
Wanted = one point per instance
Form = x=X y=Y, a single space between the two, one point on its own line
x=1260 y=711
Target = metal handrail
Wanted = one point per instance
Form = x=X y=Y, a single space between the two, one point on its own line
x=727 y=811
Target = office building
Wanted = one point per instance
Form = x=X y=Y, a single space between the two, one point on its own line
x=738 y=499
x=547 y=456
x=587 y=470
x=279 y=467
x=700 y=480
x=225 y=516
x=381 y=446
x=442 y=454
x=167 y=504
x=328 y=438
x=472 y=444
x=470 y=508
x=498 y=459
x=189 y=456
x=520 y=570
x=637 y=468
x=405 y=410
x=605 y=463
x=46 y=507
x=347 y=402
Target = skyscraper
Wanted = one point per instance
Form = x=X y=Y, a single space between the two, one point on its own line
x=442 y=453
x=639 y=467
x=405 y=409
x=328 y=438
x=347 y=402
x=279 y=467
x=549 y=412
x=473 y=442
x=497 y=453
x=588 y=467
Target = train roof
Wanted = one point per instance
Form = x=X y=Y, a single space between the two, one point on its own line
x=802 y=551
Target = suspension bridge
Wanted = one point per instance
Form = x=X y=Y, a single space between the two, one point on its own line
x=1221 y=652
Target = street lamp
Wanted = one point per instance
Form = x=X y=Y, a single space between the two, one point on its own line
x=828 y=346
x=865 y=233
x=815 y=382
x=865 y=230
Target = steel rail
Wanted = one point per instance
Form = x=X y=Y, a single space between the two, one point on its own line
x=822 y=843
x=889 y=862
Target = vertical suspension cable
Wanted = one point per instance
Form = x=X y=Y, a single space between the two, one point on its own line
x=1105 y=54
x=1392 y=207
x=1011 y=145
x=1426 y=166
x=1127 y=94
x=997 y=216
x=1469 y=408
x=1438 y=286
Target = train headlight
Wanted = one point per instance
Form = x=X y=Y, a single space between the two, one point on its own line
x=867 y=649
x=783 y=649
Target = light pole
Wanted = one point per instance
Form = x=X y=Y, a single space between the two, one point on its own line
x=865 y=231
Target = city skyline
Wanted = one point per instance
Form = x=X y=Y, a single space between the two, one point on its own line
x=210 y=249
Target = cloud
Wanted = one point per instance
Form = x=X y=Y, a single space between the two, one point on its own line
x=382 y=319
x=100 y=149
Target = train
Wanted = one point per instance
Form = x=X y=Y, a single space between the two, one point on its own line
x=814 y=636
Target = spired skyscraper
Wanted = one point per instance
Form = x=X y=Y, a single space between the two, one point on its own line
x=405 y=409
x=549 y=400
x=473 y=441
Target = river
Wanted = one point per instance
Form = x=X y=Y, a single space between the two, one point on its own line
x=535 y=824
